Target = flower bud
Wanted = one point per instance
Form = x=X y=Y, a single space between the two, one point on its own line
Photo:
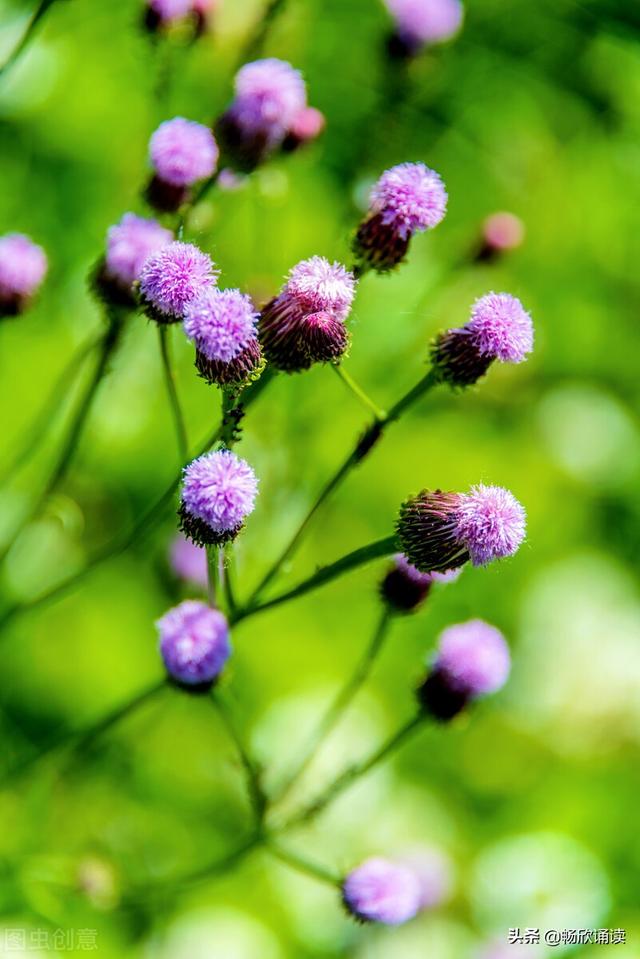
x=472 y=660
x=407 y=199
x=499 y=329
x=194 y=644
x=172 y=277
x=382 y=891
x=23 y=267
x=404 y=588
x=218 y=493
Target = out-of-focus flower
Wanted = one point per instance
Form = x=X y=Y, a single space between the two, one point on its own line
x=306 y=128
x=218 y=493
x=305 y=323
x=188 y=561
x=23 y=267
x=434 y=871
x=382 y=891
x=172 y=277
x=408 y=198
x=420 y=23
x=182 y=152
x=472 y=660
x=501 y=233
x=404 y=588
x=194 y=643
x=499 y=329
x=442 y=531
x=129 y=243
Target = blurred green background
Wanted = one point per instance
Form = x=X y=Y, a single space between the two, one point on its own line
x=534 y=796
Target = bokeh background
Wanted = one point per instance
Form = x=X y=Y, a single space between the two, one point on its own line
x=533 y=796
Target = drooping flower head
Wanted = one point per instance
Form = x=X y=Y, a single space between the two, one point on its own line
x=269 y=96
x=440 y=531
x=129 y=243
x=404 y=588
x=305 y=323
x=472 y=660
x=382 y=891
x=407 y=199
x=172 y=277
x=194 y=643
x=188 y=561
x=420 y=23
x=218 y=493
x=23 y=267
x=222 y=324
x=499 y=329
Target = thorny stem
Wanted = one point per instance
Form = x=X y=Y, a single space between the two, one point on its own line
x=339 y=705
x=360 y=451
x=174 y=401
x=28 y=34
x=358 y=392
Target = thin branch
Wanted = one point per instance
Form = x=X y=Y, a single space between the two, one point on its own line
x=172 y=392
x=28 y=34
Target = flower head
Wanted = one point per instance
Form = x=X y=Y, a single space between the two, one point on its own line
x=316 y=285
x=241 y=370
x=166 y=11
x=221 y=323
x=218 y=493
x=441 y=531
x=23 y=267
x=502 y=232
x=404 y=588
x=188 y=561
x=382 y=891
x=475 y=658
x=129 y=243
x=194 y=643
x=172 y=277
x=307 y=126
x=421 y=22
x=183 y=152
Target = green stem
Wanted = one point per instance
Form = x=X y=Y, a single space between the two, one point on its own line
x=324 y=575
x=359 y=393
x=230 y=603
x=361 y=450
x=354 y=773
x=190 y=205
x=252 y=775
x=255 y=44
x=294 y=861
x=28 y=34
x=172 y=392
x=340 y=704
x=213 y=575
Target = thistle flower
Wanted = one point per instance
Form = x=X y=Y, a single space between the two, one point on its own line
x=172 y=277
x=23 y=267
x=194 y=643
x=188 y=561
x=499 y=329
x=129 y=243
x=305 y=324
x=420 y=23
x=472 y=660
x=382 y=891
x=222 y=324
x=182 y=152
x=218 y=493
x=269 y=96
x=404 y=588
x=439 y=531
x=407 y=199
x=306 y=128
x=501 y=232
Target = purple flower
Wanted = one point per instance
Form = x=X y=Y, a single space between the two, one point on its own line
x=304 y=324
x=23 y=267
x=183 y=152
x=440 y=531
x=172 y=277
x=169 y=10
x=221 y=323
x=129 y=243
x=382 y=891
x=433 y=870
x=194 y=643
x=407 y=199
x=307 y=126
x=472 y=660
x=188 y=561
x=218 y=493
x=499 y=329
x=422 y=22
x=269 y=96
x=502 y=232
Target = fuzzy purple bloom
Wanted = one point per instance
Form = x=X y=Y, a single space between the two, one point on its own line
x=221 y=323
x=188 y=561
x=499 y=329
x=169 y=10
x=382 y=891
x=172 y=277
x=317 y=285
x=422 y=22
x=218 y=493
x=23 y=267
x=183 y=152
x=194 y=643
x=441 y=531
x=129 y=243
